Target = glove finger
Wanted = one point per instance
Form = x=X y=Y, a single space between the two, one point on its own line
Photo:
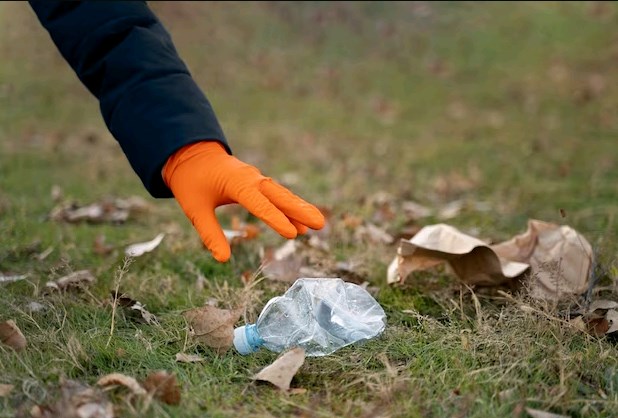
x=300 y=228
x=209 y=230
x=261 y=207
x=293 y=206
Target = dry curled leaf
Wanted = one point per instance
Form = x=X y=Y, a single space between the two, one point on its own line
x=164 y=387
x=281 y=372
x=75 y=279
x=141 y=248
x=129 y=382
x=557 y=257
x=188 y=358
x=11 y=335
x=213 y=327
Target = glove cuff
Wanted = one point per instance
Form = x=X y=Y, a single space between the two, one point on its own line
x=186 y=153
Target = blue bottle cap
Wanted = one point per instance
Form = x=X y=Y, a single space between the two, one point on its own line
x=247 y=340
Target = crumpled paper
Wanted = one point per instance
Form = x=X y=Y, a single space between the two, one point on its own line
x=557 y=258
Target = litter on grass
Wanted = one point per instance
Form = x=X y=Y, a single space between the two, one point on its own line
x=556 y=257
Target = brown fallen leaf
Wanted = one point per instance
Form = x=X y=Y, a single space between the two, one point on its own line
x=414 y=211
x=119 y=379
x=134 y=309
x=599 y=319
x=108 y=210
x=141 y=248
x=100 y=247
x=373 y=234
x=77 y=400
x=5 y=390
x=281 y=372
x=164 y=387
x=537 y=413
x=76 y=279
x=557 y=257
x=11 y=335
x=188 y=358
x=213 y=327
x=248 y=231
x=612 y=317
x=284 y=263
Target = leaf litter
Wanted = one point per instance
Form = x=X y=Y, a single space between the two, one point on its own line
x=599 y=319
x=281 y=372
x=119 y=379
x=141 y=248
x=77 y=400
x=108 y=210
x=76 y=279
x=212 y=326
x=11 y=335
x=160 y=384
x=134 y=309
x=556 y=257
x=163 y=386
x=188 y=358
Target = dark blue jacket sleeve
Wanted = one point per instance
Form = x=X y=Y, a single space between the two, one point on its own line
x=126 y=58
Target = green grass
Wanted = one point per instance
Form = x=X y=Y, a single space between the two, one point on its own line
x=512 y=104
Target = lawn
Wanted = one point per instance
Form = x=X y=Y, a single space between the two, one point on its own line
x=359 y=107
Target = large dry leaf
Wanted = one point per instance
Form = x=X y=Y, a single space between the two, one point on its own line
x=5 y=390
x=75 y=279
x=11 y=335
x=77 y=400
x=212 y=326
x=115 y=379
x=281 y=372
x=164 y=387
x=141 y=248
x=557 y=257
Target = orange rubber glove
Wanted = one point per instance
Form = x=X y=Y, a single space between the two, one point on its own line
x=203 y=176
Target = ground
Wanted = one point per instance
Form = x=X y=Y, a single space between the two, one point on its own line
x=508 y=107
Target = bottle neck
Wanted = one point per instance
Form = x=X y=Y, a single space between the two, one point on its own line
x=254 y=340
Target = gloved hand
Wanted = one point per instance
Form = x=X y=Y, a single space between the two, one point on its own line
x=203 y=176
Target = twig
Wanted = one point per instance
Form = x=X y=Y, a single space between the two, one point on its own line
x=119 y=275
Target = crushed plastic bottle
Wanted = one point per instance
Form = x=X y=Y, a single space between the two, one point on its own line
x=320 y=315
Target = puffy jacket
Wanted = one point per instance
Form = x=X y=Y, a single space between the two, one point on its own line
x=126 y=58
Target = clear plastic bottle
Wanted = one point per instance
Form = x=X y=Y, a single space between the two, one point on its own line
x=319 y=314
